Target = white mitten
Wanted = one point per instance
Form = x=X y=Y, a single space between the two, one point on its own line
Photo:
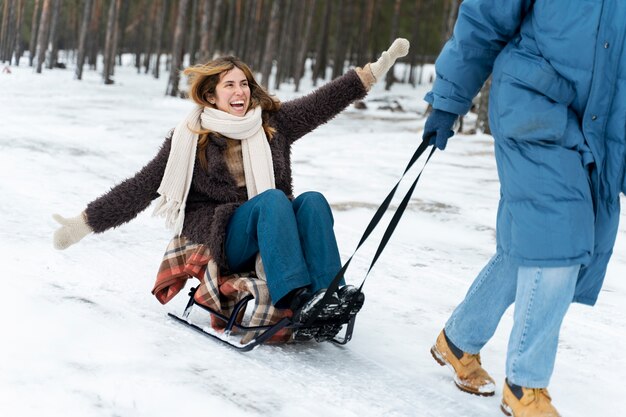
x=398 y=49
x=71 y=231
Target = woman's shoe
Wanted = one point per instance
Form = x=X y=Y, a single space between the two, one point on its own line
x=324 y=326
x=351 y=300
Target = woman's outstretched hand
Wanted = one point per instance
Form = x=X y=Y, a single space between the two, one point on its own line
x=71 y=231
x=398 y=49
x=375 y=71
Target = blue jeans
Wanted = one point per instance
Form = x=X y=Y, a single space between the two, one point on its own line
x=295 y=238
x=542 y=297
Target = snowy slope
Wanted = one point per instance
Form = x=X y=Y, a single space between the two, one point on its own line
x=83 y=336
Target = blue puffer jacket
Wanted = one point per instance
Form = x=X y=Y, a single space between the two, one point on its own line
x=558 y=116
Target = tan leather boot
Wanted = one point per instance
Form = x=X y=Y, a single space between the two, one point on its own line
x=532 y=402
x=469 y=375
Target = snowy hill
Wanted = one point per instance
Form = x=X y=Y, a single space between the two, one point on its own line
x=83 y=336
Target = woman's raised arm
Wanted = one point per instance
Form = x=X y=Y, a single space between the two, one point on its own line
x=302 y=115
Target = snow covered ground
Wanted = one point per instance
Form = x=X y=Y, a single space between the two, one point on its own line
x=83 y=336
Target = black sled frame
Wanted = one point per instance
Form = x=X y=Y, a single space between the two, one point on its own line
x=269 y=331
x=264 y=333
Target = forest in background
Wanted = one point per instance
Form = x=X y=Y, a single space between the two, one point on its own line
x=277 y=38
x=278 y=34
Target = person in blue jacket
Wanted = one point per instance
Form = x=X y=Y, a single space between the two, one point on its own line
x=558 y=118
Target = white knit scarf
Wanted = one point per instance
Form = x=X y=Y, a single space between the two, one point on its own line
x=257 y=158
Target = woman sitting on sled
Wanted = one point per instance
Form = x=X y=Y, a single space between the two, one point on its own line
x=223 y=179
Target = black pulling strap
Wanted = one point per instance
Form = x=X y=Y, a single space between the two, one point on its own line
x=372 y=225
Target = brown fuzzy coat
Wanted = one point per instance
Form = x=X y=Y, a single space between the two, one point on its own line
x=214 y=195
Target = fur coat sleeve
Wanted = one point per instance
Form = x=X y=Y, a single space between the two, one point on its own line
x=298 y=117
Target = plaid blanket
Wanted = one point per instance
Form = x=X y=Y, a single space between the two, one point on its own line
x=183 y=260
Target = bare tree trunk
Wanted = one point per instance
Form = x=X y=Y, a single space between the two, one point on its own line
x=290 y=36
x=378 y=33
x=456 y=4
x=215 y=25
x=253 y=34
x=205 y=29
x=118 y=33
x=82 y=40
x=42 y=37
x=5 y=29
x=93 y=41
x=229 y=29
x=110 y=40
x=415 y=40
x=482 y=121
x=122 y=30
x=177 y=49
x=140 y=23
x=321 y=55
x=18 y=31
x=270 y=44
x=68 y=41
x=427 y=34
x=246 y=28
x=263 y=18
x=342 y=36
x=390 y=79
x=193 y=45
x=170 y=27
x=149 y=41
x=451 y=13
x=10 y=31
x=366 y=29
x=159 y=39
x=284 y=44
x=243 y=26
x=54 y=24
x=308 y=12
x=34 y=26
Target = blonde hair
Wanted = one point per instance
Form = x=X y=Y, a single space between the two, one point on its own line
x=204 y=79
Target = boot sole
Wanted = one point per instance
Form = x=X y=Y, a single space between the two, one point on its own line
x=346 y=311
x=505 y=409
x=437 y=356
x=328 y=311
x=320 y=329
x=331 y=319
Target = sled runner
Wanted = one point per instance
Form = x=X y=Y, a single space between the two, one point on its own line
x=231 y=331
x=226 y=299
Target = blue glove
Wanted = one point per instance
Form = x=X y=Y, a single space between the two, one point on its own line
x=438 y=128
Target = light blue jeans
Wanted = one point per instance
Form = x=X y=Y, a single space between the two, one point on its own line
x=541 y=296
x=295 y=238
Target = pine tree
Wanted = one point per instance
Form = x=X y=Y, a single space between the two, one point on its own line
x=43 y=33
x=82 y=40
x=270 y=44
x=177 y=49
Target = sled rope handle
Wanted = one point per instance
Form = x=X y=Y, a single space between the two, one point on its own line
x=372 y=225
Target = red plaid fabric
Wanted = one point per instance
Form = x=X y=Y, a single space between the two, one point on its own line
x=183 y=260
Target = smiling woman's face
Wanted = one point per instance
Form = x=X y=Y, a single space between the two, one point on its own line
x=232 y=93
